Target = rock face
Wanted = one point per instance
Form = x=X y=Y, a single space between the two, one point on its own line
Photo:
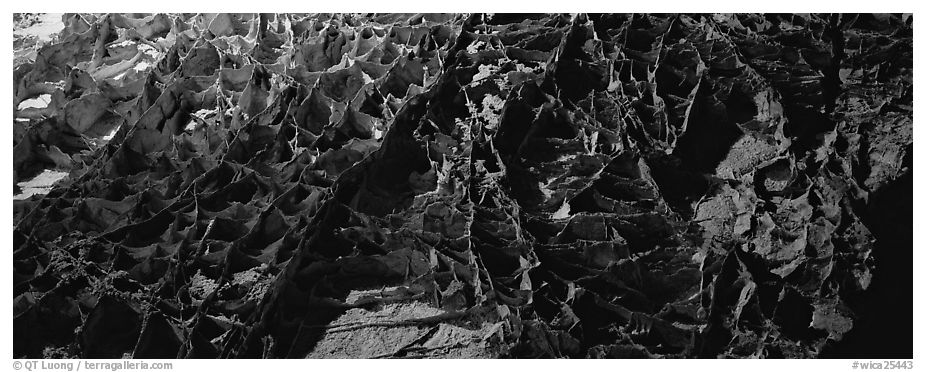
x=437 y=185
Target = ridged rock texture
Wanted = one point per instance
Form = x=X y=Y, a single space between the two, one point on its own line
x=467 y=186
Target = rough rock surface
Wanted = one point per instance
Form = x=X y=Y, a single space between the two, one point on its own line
x=466 y=186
